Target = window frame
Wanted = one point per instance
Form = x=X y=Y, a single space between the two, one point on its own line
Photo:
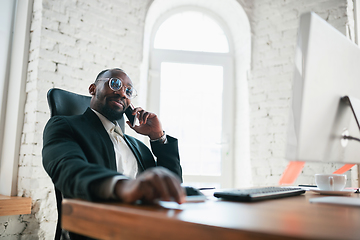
x=14 y=104
x=226 y=60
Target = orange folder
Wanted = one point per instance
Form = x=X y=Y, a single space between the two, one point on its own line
x=291 y=173
x=344 y=169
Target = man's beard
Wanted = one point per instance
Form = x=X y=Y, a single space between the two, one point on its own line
x=111 y=114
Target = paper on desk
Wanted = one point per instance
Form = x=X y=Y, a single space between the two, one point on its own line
x=175 y=205
x=348 y=201
x=169 y=205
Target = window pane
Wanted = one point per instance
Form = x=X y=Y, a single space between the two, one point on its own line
x=191 y=31
x=191 y=110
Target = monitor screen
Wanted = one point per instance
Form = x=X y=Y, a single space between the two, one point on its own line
x=327 y=68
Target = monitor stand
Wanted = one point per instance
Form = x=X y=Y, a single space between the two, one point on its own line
x=354 y=104
x=294 y=168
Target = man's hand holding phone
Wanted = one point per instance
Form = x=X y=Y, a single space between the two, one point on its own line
x=149 y=123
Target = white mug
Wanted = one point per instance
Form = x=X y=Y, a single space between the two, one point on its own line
x=330 y=182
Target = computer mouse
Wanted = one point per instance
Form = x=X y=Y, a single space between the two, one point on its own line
x=191 y=191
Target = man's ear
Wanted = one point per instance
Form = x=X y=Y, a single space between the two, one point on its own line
x=92 y=89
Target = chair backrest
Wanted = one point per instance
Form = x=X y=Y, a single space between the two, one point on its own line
x=62 y=102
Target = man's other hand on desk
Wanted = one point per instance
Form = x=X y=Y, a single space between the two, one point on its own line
x=153 y=184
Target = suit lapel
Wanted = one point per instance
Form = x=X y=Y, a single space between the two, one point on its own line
x=103 y=136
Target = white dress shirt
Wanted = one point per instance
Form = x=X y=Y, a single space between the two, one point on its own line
x=126 y=162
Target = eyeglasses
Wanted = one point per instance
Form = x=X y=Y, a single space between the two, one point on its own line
x=116 y=84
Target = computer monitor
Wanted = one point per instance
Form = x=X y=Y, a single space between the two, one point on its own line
x=327 y=68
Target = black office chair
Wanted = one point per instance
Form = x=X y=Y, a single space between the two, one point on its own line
x=66 y=103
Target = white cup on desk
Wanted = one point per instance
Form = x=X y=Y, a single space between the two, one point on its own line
x=330 y=182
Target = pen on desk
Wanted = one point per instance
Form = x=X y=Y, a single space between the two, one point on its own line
x=306 y=185
x=206 y=188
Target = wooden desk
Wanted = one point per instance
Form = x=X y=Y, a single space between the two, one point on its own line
x=287 y=218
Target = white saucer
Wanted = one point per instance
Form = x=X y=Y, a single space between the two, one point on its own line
x=329 y=192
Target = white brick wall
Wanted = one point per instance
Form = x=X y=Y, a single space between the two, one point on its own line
x=72 y=40
x=274 y=26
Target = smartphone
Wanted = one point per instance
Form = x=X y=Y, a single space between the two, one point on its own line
x=130 y=117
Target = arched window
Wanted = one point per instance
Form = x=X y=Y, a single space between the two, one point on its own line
x=191 y=67
x=191 y=31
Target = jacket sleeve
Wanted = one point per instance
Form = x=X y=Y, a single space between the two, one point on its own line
x=167 y=155
x=66 y=163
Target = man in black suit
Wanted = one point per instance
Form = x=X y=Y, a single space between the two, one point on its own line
x=88 y=157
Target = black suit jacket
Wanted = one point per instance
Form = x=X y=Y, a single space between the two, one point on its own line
x=77 y=152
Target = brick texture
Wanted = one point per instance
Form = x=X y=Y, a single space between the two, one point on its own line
x=72 y=40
